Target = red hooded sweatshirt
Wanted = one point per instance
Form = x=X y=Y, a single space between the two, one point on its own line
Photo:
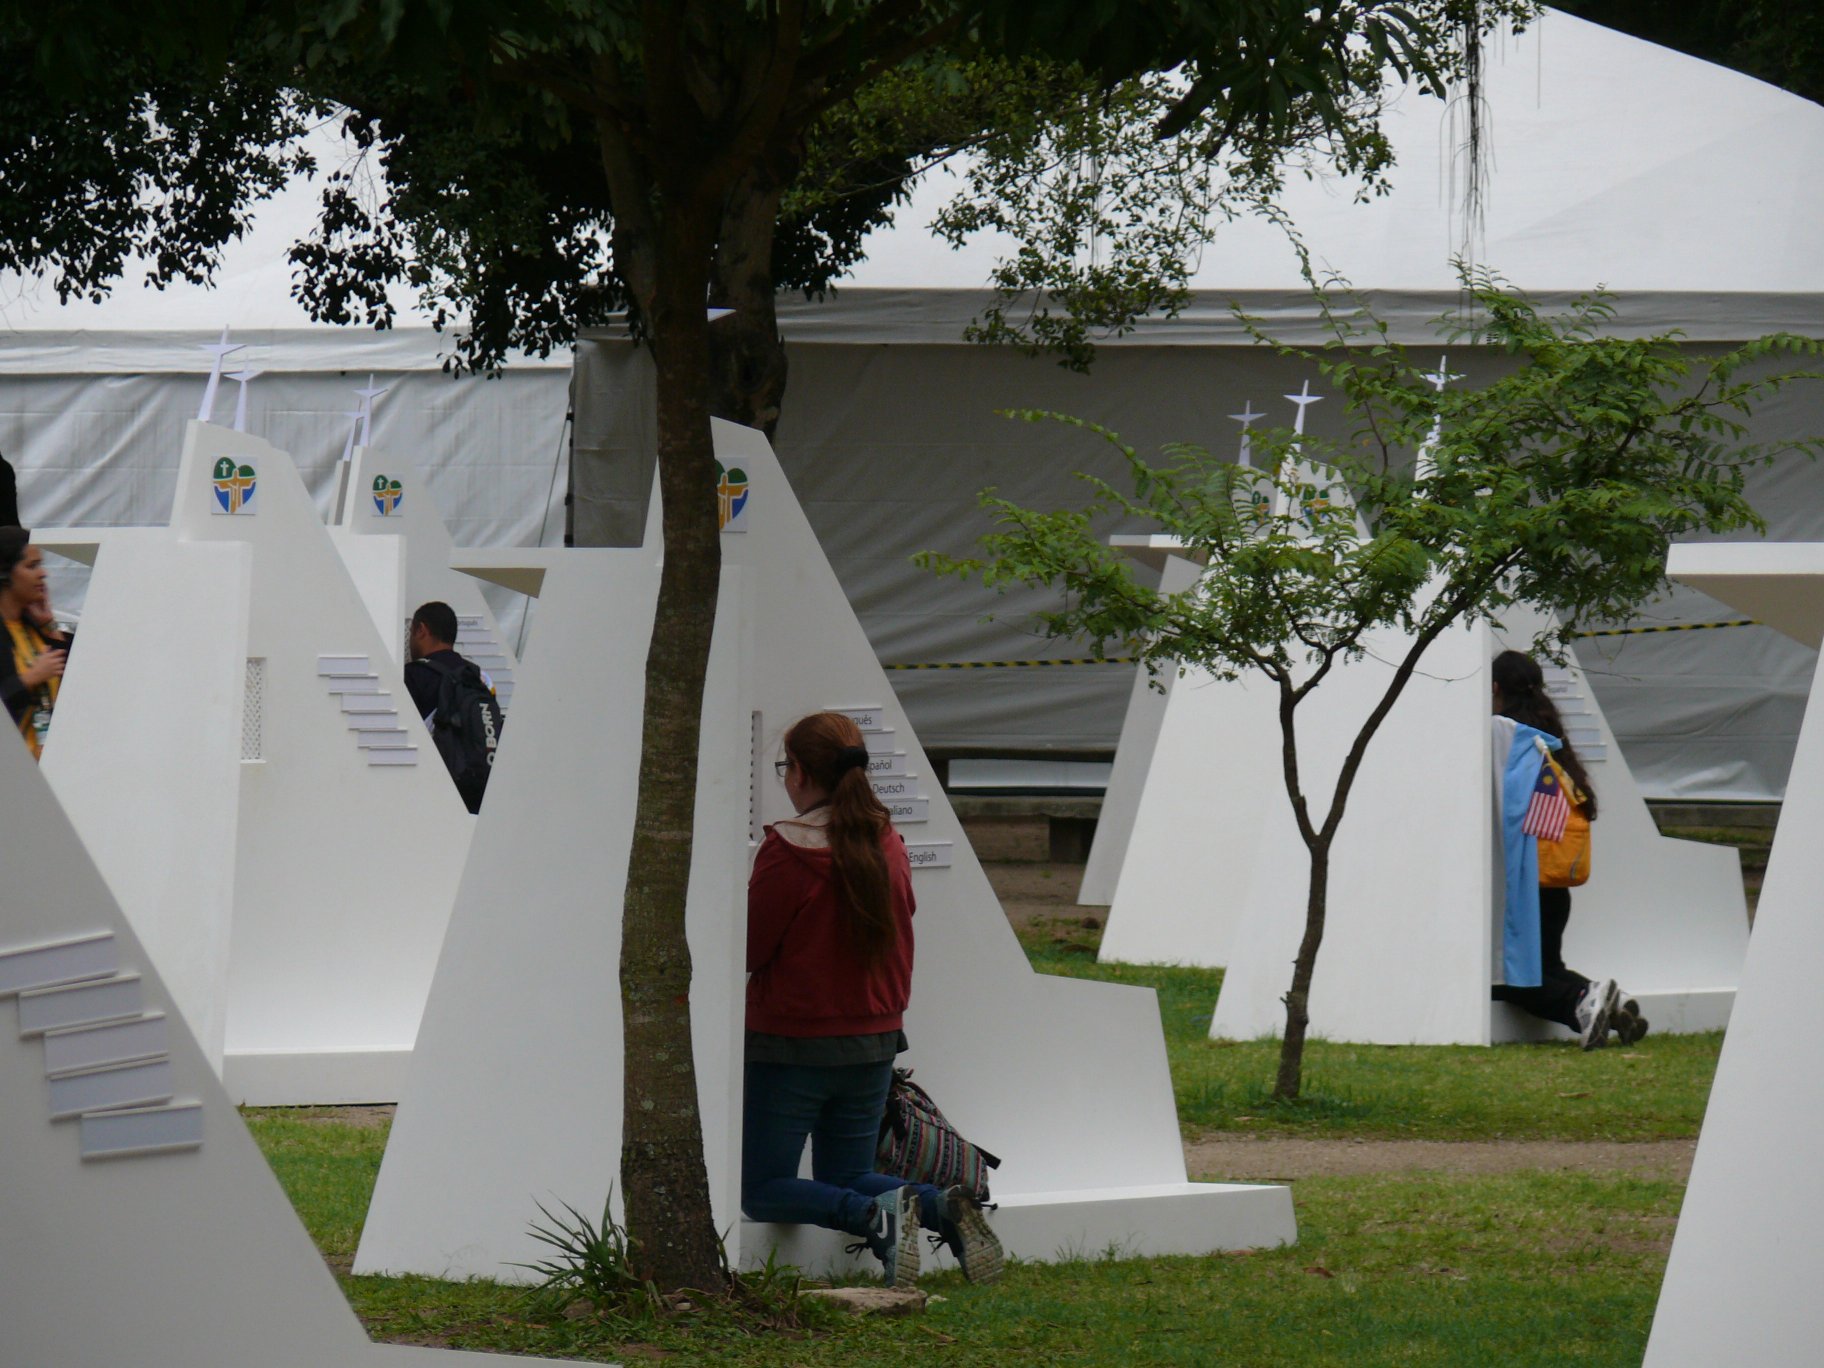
x=804 y=976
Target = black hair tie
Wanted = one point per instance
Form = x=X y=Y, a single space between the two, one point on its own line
x=851 y=757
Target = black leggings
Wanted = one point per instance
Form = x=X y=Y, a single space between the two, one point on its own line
x=1560 y=989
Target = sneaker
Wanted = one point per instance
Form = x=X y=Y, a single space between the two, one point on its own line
x=965 y=1231
x=1594 y=1011
x=1626 y=1021
x=892 y=1236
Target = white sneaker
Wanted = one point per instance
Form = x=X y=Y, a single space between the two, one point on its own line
x=893 y=1236
x=1594 y=1010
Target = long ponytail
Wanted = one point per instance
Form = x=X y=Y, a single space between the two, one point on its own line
x=828 y=749
x=1523 y=698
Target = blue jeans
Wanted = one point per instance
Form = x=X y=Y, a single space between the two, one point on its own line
x=839 y=1107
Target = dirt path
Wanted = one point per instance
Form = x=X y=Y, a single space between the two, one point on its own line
x=1257 y=1159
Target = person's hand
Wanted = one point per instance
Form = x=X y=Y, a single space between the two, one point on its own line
x=49 y=665
x=38 y=613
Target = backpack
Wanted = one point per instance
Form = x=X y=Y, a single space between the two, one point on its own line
x=1565 y=862
x=466 y=727
x=918 y=1142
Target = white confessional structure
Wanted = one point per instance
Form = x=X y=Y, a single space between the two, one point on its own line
x=386 y=501
x=1065 y=1079
x=230 y=742
x=1741 y=1283
x=1138 y=751
x=1215 y=872
x=143 y=1224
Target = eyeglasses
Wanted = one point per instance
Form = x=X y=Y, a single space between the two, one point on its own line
x=780 y=767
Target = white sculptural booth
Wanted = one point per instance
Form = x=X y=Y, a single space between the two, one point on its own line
x=1140 y=726
x=1065 y=1079
x=143 y=1225
x=384 y=497
x=1215 y=872
x=1741 y=1283
x=230 y=744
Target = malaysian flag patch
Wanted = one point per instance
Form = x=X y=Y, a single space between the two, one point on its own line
x=1548 y=809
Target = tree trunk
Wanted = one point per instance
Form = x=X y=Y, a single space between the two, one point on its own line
x=747 y=355
x=664 y=1184
x=1298 y=1000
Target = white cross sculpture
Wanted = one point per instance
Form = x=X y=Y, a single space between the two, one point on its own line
x=354 y=428
x=206 y=410
x=1427 y=461
x=241 y=377
x=1304 y=399
x=368 y=396
x=1246 y=418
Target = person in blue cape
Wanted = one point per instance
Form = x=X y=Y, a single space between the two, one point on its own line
x=1535 y=976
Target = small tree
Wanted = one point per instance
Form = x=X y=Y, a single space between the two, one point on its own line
x=1557 y=486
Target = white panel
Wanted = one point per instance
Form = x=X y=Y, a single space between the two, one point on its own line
x=182 y=1254
x=368 y=703
x=889 y=789
x=912 y=810
x=153 y=747
x=129 y=1085
x=405 y=756
x=1133 y=757
x=868 y=716
x=137 y=1131
x=931 y=854
x=883 y=766
x=91 y=1047
x=326 y=955
x=384 y=740
x=39 y=966
x=46 y=1009
x=378 y=722
x=1740 y=1285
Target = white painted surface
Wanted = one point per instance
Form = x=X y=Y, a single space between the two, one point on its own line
x=1771 y=582
x=377 y=567
x=1741 y=1283
x=1193 y=854
x=345 y=871
x=1133 y=758
x=145 y=750
x=1406 y=947
x=187 y=1258
x=413 y=523
x=344 y=868
x=1065 y=1079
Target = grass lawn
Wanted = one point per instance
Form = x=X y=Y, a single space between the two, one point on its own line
x=1412 y=1268
x=1655 y=1091
x=1528 y=1268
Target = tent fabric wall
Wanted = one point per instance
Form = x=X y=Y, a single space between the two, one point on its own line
x=1613 y=162
x=889 y=447
x=99 y=448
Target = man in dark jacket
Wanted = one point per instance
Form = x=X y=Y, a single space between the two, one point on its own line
x=432 y=640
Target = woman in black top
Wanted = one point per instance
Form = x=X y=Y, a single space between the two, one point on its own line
x=33 y=652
